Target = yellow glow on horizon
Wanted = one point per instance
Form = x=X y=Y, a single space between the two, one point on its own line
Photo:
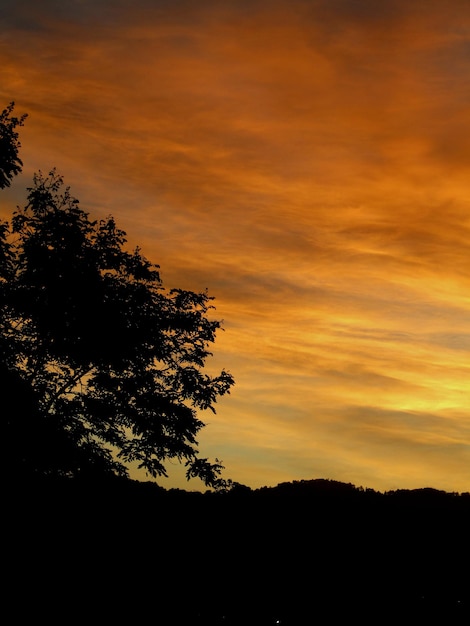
x=307 y=162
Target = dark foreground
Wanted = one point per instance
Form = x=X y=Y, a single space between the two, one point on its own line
x=131 y=554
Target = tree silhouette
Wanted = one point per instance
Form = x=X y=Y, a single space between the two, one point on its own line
x=101 y=365
x=10 y=163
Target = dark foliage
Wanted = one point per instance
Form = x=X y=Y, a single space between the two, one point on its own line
x=100 y=365
x=10 y=162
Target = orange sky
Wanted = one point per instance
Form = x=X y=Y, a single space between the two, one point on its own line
x=308 y=162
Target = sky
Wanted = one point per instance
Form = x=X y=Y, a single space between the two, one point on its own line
x=306 y=161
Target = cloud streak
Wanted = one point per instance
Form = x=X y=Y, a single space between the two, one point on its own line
x=306 y=162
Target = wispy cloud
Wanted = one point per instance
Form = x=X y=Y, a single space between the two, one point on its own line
x=306 y=161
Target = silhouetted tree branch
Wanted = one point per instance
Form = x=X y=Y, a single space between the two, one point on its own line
x=10 y=162
x=105 y=365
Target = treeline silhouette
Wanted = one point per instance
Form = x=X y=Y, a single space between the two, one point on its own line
x=116 y=551
x=302 y=552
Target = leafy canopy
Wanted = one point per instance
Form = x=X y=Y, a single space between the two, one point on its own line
x=10 y=163
x=101 y=365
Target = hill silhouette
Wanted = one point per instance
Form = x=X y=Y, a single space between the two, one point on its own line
x=304 y=552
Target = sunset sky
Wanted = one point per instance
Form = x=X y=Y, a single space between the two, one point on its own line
x=306 y=161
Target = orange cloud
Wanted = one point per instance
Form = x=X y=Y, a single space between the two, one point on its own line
x=305 y=161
